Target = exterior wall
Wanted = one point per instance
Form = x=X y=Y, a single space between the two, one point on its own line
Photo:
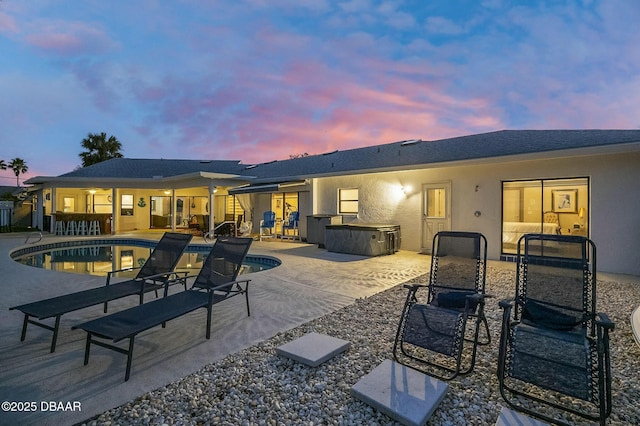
x=614 y=201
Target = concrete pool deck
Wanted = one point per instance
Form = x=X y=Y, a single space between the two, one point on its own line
x=310 y=283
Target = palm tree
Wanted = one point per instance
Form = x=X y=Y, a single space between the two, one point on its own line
x=3 y=165
x=99 y=149
x=18 y=166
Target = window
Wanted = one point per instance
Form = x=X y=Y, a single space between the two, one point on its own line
x=550 y=206
x=126 y=206
x=348 y=201
x=436 y=203
x=68 y=204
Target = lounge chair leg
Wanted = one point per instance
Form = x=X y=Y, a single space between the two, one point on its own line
x=209 y=309
x=86 y=349
x=129 y=358
x=246 y=295
x=55 y=334
x=105 y=307
x=24 y=327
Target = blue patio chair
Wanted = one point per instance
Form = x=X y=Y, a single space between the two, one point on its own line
x=268 y=225
x=291 y=225
x=554 y=346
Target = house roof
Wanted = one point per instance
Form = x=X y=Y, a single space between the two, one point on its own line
x=149 y=168
x=410 y=154
x=401 y=155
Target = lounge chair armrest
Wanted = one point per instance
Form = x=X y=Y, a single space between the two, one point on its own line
x=602 y=320
x=110 y=273
x=413 y=289
x=506 y=303
x=229 y=284
x=416 y=286
x=163 y=276
x=478 y=297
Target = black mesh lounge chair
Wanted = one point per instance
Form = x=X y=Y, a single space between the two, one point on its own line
x=554 y=347
x=152 y=276
x=431 y=336
x=215 y=282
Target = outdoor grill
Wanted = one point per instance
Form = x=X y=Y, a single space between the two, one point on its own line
x=363 y=239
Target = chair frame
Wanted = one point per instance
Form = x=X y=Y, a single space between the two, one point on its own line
x=291 y=224
x=594 y=329
x=55 y=307
x=269 y=224
x=473 y=309
x=149 y=315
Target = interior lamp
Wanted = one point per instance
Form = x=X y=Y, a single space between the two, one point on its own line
x=581 y=214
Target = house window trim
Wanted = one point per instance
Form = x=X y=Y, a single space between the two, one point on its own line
x=342 y=200
x=547 y=182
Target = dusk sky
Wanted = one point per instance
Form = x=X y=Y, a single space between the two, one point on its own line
x=259 y=80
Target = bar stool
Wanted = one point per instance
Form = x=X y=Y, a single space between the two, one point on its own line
x=94 y=227
x=71 y=228
x=81 y=227
x=60 y=228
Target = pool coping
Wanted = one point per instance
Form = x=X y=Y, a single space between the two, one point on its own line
x=136 y=242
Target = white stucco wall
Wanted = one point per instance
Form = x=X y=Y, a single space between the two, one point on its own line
x=614 y=211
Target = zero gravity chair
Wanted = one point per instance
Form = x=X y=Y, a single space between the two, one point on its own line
x=554 y=346
x=439 y=334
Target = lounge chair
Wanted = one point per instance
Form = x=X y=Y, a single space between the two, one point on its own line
x=432 y=334
x=554 y=346
x=157 y=270
x=215 y=283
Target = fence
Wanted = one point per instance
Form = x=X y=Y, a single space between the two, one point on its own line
x=6 y=215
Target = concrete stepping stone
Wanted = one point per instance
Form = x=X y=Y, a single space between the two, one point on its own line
x=313 y=349
x=402 y=393
x=509 y=417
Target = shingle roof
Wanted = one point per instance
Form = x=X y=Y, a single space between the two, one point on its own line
x=387 y=157
x=408 y=154
x=148 y=168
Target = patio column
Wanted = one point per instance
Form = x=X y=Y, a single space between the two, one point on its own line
x=212 y=190
x=115 y=218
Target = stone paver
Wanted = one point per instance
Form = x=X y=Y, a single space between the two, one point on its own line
x=313 y=349
x=400 y=392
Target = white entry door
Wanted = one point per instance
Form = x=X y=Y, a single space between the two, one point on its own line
x=436 y=211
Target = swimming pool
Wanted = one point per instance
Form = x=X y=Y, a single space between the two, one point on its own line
x=99 y=256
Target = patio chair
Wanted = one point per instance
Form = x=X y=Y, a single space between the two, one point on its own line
x=215 y=283
x=432 y=336
x=268 y=225
x=291 y=225
x=157 y=270
x=554 y=346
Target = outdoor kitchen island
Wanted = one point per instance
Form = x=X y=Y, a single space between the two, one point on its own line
x=363 y=238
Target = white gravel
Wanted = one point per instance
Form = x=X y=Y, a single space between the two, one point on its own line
x=258 y=387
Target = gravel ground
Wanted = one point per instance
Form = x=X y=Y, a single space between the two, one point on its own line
x=258 y=387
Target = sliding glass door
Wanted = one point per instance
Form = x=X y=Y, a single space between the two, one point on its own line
x=551 y=206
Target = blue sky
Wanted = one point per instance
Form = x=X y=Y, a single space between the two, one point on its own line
x=259 y=80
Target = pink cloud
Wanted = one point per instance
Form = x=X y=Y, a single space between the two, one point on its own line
x=8 y=24
x=69 y=38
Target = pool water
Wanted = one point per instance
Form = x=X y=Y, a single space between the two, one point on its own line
x=103 y=258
